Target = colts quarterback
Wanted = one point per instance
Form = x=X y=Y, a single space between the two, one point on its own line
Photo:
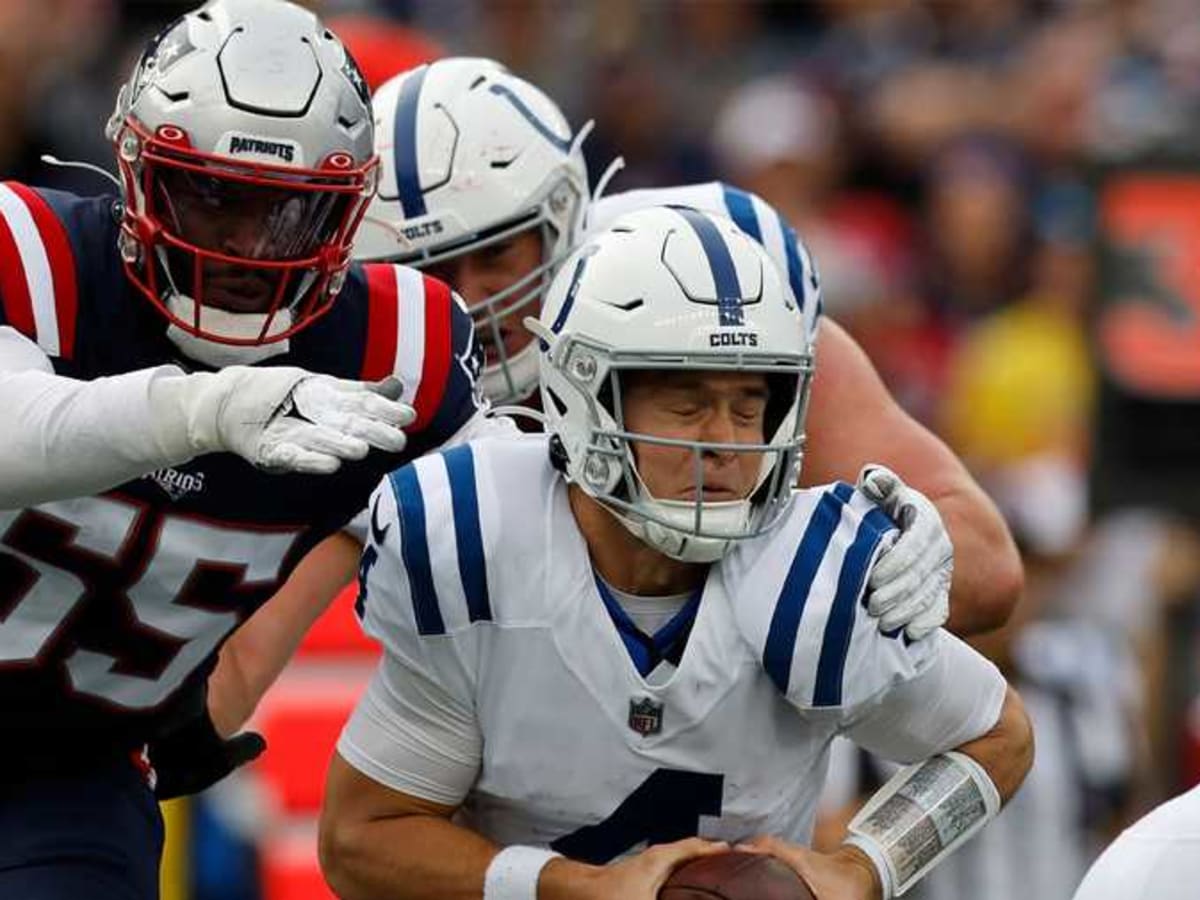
x=630 y=640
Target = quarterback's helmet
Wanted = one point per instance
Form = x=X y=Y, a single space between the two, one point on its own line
x=245 y=147
x=471 y=155
x=671 y=289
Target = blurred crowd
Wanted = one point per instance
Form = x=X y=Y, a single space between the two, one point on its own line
x=1001 y=197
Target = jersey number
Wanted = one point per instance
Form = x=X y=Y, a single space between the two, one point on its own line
x=55 y=555
x=666 y=807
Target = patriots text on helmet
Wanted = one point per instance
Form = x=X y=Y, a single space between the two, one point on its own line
x=246 y=144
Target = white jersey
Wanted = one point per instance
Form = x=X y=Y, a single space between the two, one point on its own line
x=1156 y=858
x=749 y=212
x=507 y=689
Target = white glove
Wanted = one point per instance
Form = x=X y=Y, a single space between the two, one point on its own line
x=285 y=419
x=910 y=583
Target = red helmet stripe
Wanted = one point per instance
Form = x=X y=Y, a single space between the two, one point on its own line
x=379 y=361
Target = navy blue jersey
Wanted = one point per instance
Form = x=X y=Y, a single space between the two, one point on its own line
x=112 y=607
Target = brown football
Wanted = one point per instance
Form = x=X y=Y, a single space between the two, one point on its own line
x=735 y=876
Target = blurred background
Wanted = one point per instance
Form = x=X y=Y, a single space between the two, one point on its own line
x=1003 y=198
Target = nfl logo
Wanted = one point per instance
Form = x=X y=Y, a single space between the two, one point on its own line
x=645 y=716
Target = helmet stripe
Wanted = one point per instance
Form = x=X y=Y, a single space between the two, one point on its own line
x=404 y=145
x=720 y=261
x=741 y=210
x=501 y=90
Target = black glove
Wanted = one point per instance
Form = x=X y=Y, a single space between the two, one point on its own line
x=193 y=757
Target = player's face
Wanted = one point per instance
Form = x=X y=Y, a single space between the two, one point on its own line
x=247 y=221
x=489 y=270
x=716 y=407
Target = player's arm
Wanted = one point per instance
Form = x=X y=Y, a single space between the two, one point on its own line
x=69 y=438
x=853 y=421
x=969 y=743
x=251 y=660
x=406 y=759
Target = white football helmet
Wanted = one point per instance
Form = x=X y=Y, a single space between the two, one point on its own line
x=671 y=288
x=246 y=154
x=472 y=155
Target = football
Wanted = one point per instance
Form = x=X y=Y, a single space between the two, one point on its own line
x=735 y=876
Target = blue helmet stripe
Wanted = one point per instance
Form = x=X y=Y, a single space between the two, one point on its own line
x=741 y=210
x=404 y=145
x=501 y=90
x=795 y=265
x=414 y=546
x=572 y=291
x=839 y=628
x=720 y=261
x=464 y=500
x=785 y=622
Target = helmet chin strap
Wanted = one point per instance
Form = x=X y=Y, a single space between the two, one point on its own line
x=669 y=533
x=226 y=324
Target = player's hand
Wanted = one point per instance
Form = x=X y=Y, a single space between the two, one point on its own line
x=844 y=874
x=636 y=878
x=194 y=757
x=284 y=419
x=909 y=585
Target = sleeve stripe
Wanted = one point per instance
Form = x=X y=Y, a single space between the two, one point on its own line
x=741 y=210
x=785 y=621
x=14 y=290
x=61 y=258
x=839 y=627
x=379 y=361
x=435 y=367
x=28 y=277
x=464 y=498
x=414 y=546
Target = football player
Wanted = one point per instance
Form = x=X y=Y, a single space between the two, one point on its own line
x=198 y=387
x=483 y=184
x=1156 y=858
x=633 y=630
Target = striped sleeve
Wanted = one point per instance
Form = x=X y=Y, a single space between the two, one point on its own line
x=424 y=572
x=420 y=332
x=38 y=284
x=802 y=603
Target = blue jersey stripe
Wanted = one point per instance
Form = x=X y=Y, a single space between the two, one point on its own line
x=414 y=545
x=501 y=90
x=785 y=622
x=404 y=145
x=839 y=628
x=464 y=498
x=720 y=261
x=741 y=210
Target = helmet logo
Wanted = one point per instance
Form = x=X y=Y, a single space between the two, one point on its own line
x=733 y=339
x=339 y=160
x=243 y=144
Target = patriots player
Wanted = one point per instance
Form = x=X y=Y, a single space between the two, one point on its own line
x=483 y=184
x=633 y=631
x=198 y=388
